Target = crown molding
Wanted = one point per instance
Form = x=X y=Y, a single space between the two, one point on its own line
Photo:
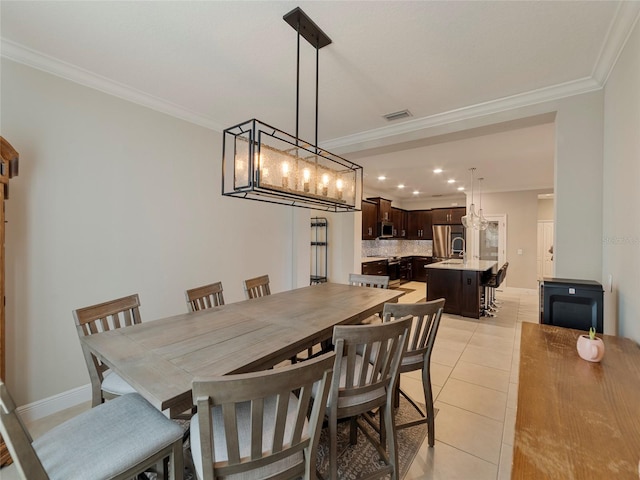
x=620 y=30
x=32 y=58
x=626 y=17
x=512 y=102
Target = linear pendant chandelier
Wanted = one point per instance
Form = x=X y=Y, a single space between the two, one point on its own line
x=263 y=163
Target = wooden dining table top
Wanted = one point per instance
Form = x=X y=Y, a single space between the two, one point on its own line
x=576 y=419
x=160 y=358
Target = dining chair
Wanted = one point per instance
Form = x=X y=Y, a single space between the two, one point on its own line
x=103 y=317
x=372 y=281
x=365 y=381
x=207 y=296
x=116 y=440
x=257 y=287
x=422 y=335
x=255 y=425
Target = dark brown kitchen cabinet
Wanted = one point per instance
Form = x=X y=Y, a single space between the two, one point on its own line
x=377 y=267
x=470 y=295
x=399 y=220
x=445 y=284
x=406 y=267
x=418 y=272
x=369 y=220
x=384 y=208
x=447 y=216
x=419 y=222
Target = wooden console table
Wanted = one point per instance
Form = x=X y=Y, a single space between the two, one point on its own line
x=576 y=419
x=8 y=169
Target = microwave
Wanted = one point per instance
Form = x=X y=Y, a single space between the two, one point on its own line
x=385 y=230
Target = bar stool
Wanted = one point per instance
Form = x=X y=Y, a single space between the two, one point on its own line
x=489 y=284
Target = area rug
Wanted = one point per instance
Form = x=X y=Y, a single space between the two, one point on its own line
x=361 y=459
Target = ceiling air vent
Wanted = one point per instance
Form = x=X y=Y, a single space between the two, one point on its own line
x=397 y=115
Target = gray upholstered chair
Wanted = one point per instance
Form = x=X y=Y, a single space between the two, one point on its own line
x=254 y=425
x=121 y=312
x=207 y=296
x=365 y=375
x=116 y=440
x=426 y=320
x=257 y=287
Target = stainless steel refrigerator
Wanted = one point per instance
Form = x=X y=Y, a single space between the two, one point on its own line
x=443 y=236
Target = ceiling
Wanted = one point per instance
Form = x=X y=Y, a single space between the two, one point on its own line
x=220 y=63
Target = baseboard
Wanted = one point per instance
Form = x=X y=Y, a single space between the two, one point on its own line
x=57 y=403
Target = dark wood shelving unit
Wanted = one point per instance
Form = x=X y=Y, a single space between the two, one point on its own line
x=319 y=250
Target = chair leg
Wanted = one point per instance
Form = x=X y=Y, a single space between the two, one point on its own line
x=391 y=442
x=176 y=462
x=333 y=445
x=353 y=431
x=428 y=398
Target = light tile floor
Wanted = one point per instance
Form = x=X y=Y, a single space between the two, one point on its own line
x=474 y=372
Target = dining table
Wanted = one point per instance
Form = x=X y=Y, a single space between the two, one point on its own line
x=160 y=358
x=576 y=419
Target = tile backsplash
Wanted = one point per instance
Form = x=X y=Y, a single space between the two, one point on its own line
x=388 y=248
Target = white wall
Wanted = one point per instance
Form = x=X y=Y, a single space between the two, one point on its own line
x=113 y=199
x=621 y=212
x=545 y=209
x=578 y=187
x=521 y=210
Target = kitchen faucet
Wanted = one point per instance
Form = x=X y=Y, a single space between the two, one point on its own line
x=462 y=251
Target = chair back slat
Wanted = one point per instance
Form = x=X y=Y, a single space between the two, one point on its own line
x=18 y=440
x=231 y=430
x=204 y=297
x=270 y=407
x=257 y=287
x=282 y=409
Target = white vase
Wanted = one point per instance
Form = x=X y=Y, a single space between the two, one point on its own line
x=590 y=350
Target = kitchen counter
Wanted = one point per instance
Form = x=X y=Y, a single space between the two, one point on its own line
x=408 y=255
x=373 y=259
x=471 y=265
x=460 y=284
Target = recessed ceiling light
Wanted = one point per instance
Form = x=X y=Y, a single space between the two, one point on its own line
x=382 y=177
x=416 y=192
x=451 y=180
x=437 y=170
x=460 y=189
x=401 y=185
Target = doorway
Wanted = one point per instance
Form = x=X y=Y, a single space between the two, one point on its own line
x=545 y=249
x=491 y=244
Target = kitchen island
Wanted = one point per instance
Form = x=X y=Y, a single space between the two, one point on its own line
x=459 y=283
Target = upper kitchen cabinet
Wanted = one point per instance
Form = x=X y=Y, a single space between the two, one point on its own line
x=399 y=220
x=369 y=220
x=419 y=222
x=384 y=208
x=448 y=216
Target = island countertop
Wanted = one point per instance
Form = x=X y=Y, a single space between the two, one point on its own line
x=471 y=265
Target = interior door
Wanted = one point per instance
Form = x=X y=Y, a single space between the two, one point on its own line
x=545 y=249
